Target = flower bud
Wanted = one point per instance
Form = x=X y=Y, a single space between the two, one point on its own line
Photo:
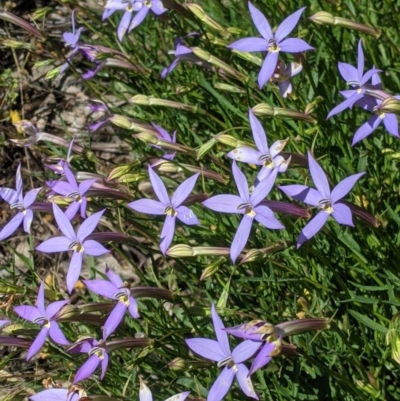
x=393 y=337
x=298 y=326
x=323 y=18
x=211 y=269
x=210 y=251
x=177 y=364
x=120 y=121
x=390 y=105
x=180 y=251
x=227 y=140
x=228 y=88
x=202 y=16
x=147 y=137
x=205 y=148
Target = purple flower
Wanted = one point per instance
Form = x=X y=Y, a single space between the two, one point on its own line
x=172 y=208
x=145 y=394
x=143 y=7
x=282 y=75
x=164 y=135
x=4 y=322
x=114 y=289
x=355 y=78
x=220 y=352
x=98 y=355
x=181 y=52
x=271 y=43
x=59 y=167
x=248 y=205
x=57 y=394
x=75 y=242
x=329 y=202
x=72 y=190
x=16 y=200
x=71 y=39
x=45 y=317
x=264 y=156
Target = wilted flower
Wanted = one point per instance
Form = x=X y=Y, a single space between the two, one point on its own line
x=166 y=137
x=172 y=208
x=16 y=200
x=220 y=352
x=75 y=242
x=263 y=156
x=72 y=190
x=282 y=76
x=145 y=394
x=71 y=39
x=45 y=317
x=248 y=205
x=327 y=201
x=114 y=289
x=271 y=43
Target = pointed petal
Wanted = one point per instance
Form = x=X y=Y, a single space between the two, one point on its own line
x=263 y=188
x=294 y=45
x=263 y=358
x=57 y=335
x=51 y=394
x=265 y=216
x=94 y=248
x=40 y=300
x=244 y=381
x=144 y=393
x=102 y=287
x=184 y=190
x=245 y=155
x=167 y=70
x=114 y=319
x=368 y=75
x=366 y=129
x=342 y=214
x=74 y=270
x=83 y=207
x=85 y=185
x=241 y=237
x=319 y=177
x=224 y=203
x=138 y=18
x=56 y=244
x=88 y=226
x=222 y=385
x=28 y=221
x=260 y=138
x=167 y=233
x=124 y=24
x=302 y=193
x=29 y=313
x=391 y=124
x=285 y=88
x=250 y=45
x=288 y=24
x=245 y=350
x=276 y=148
x=360 y=62
x=147 y=206
x=18 y=181
x=348 y=103
x=30 y=197
x=260 y=22
x=133 y=308
x=60 y=187
x=157 y=7
x=268 y=68
x=63 y=223
x=186 y=216
x=241 y=182
x=114 y=278
x=179 y=397
x=159 y=187
x=164 y=134
x=312 y=227
x=221 y=334
x=348 y=72
x=209 y=349
x=87 y=369
x=9 y=195
x=72 y=209
x=53 y=308
x=344 y=187
x=38 y=343
x=11 y=226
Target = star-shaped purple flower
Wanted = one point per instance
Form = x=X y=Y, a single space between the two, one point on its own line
x=71 y=40
x=356 y=79
x=16 y=200
x=75 y=242
x=57 y=394
x=172 y=208
x=72 y=190
x=114 y=289
x=145 y=394
x=143 y=7
x=220 y=352
x=163 y=134
x=263 y=156
x=327 y=201
x=271 y=43
x=248 y=205
x=43 y=316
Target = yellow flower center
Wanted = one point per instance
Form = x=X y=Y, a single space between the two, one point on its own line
x=170 y=211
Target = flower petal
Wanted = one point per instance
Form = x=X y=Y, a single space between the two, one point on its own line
x=102 y=287
x=139 y=17
x=245 y=155
x=87 y=369
x=348 y=72
x=241 y=182
x=209 y=349
x=221 y=334
x=11 y=226
x=144 y=392
x=288 y=24
x=265 y=216
x=56 y=244
x=114 y=278
x=74 y=270
x=348 y=103
x=242 y=376
x=319 y=177
x=250 y=45
x=133 y=308
x=38 y=343
x=18 y=181
x=159 y=187
x=84 y=186
x=72 y=209
x=57 y=335
x=114 y=319
x=245 y=350
x=30 y=197
x=157 y=7
x=53 y=308
x=63 y=223
x=344 y=187
x=222 y=385
x=51 y=394
x=186 y=216
x=294 y=45
x=60 y=187
x=178 y=397
x=312 y=227
x=391 y=124
x=302 y=193
x=342 y=214
x=29 y=313
x=360 y=61
x=88 y=226
x=366 y=129
x=267 y=68
x=224 y=203
x=259 y=136
x=167 y=233
x=40 y=300
x=241 y=237
x=184 y=190
x=9 y=195
x=263 y=358
x=94 y=248
x=124 y=24
x=147 y=206
x=263 y=188
x=260 y=22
